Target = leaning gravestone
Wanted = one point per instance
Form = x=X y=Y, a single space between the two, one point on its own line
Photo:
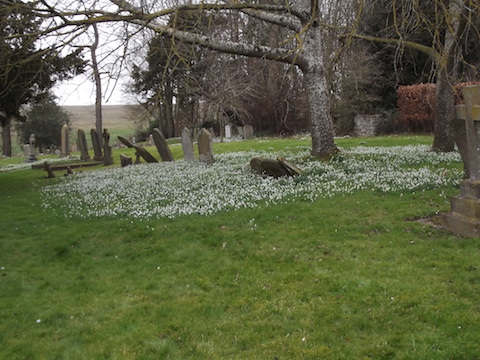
x=464 y=217
x=140 y=151
x=162 y=145
x=97 y=147
x=248 y=132
x=82 y=144
x=64 y=148
x=275 y=168
x=107 y=149
x=187 y=145
x=205 y=146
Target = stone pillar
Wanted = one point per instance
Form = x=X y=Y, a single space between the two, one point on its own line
x=97 y=147
x=64 y=149
x=107 y=149
x=82 y=144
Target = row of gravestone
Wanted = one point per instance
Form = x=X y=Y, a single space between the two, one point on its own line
x=204 y=141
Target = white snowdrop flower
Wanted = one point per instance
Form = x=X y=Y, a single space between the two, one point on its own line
x=39 y=321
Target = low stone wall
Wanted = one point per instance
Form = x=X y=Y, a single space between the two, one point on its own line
x=367 y=125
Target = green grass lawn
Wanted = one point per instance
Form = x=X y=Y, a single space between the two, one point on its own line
x=354 y=276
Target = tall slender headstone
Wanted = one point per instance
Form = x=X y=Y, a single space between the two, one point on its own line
x=97 y=147
x=33 y=156
x=82 y=144
x=64 y=149
x=187 y=145
x=26 y=152
x=107 y=149
x=205 y=146
x=162 y=145
x=248 y=132
x=228 y=131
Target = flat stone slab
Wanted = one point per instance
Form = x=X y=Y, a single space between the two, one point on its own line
x=276 y=168
x=140 y=150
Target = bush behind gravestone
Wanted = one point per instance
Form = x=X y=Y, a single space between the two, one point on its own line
x=45 y=121
x=416 y=105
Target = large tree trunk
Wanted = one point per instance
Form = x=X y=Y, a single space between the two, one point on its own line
x=443 y=137
x=7 y=137
x=321 y=124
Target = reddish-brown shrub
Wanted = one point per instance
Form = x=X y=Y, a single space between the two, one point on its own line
x=416 y=105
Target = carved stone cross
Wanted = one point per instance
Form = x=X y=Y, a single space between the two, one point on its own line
x=470 y=113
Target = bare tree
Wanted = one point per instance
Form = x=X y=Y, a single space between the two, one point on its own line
x=300 y=19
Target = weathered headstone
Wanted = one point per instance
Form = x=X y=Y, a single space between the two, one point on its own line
x=26 y=152
x=64 y=148
x=162 y=145
x=248 y=132
x=464 y=217
x=205 y=146
x=275 y=168
x=212 y=131
x=82 y=144
x=228 y=131
x=140 y=151
x=187 y=145
x=125 y=160
x=107 y=149
x=240 y=130
x=33 y=156
x=97 y=146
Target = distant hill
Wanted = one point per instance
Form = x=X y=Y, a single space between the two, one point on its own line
x=113 y=116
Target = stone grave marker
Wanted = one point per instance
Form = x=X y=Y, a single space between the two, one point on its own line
x=26 y=152
x=275 y=168
x=228 y=131
x=107 y=149
x=97 y=147
x=31 y=147
x=140 y=151
x=205 y=146
x=187 y=145
x=162 y=145
x=464 y=217
x=248 y=132
x=240 y=131
x=82 y=144
x=64 y=148
x=125 y=160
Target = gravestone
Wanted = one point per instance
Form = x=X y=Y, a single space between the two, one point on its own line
x=32 y=156
x=187 y=145
x=125 y=160
x=97 y=147
x=248 y=132
x=275 y=168
x=205 y=146
x=82 y=144
x=64 y=147
x=162 y=145
x=107 y=149
x=464 y=217
x=140 y=151
x=212 y=131
x=228 y=131
x=240 y=130
x=26 y=152
x=367 y=125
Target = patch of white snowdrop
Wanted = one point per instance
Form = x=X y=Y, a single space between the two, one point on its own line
x=172 y=189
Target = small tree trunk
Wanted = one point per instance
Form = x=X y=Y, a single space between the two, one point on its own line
x=7 y=137
x=98 y=86
x=443 y=139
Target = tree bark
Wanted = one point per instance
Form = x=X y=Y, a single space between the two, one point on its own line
x=98 y=85
x=7 y=137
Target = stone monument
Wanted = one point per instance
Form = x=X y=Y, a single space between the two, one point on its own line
x=64 y=148
x=248 y=132
x=162 y=145
x=187 y=145
x=464 y=217
x=97 y=147
x=82 y=144
x=205 y=146
x=32 y=155
x=107 y=149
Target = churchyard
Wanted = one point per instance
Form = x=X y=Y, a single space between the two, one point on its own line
x=209 y=260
